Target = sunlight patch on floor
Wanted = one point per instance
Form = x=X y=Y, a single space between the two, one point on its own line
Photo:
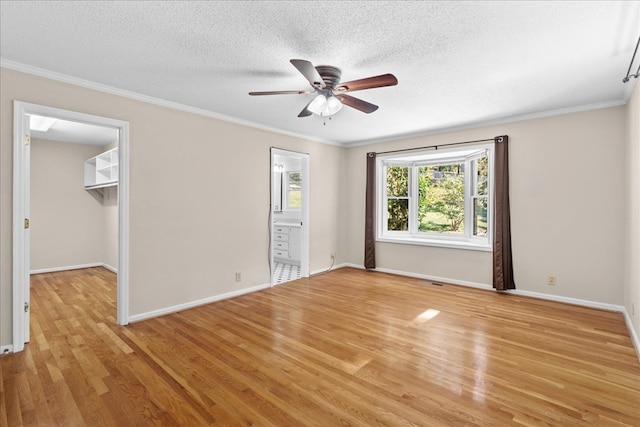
x=426 y=316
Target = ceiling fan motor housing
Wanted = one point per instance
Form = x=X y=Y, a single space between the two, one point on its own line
x=330 y=75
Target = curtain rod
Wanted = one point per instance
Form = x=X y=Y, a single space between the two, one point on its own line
x=436 y=146
x=637 y=74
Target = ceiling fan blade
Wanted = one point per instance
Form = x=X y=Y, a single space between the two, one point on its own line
x=305 y=112
x=358 y=104
x=368 y=83
x=309 y=72
x=281 y=92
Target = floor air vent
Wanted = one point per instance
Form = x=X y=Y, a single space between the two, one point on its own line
x=426 y=282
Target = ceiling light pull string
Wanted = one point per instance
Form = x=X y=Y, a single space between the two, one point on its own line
x=637 y=74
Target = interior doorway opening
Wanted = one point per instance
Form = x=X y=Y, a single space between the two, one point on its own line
x=289 y=214
x=117 y=200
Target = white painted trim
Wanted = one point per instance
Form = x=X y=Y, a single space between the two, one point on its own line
x=568 y=300
x=556 y=298
x=69 y=267
x=565 y=300
x=122 y=297
x=305 y=210
x=16 y=66
x=110 y=268
x=6 y=349
x=632 y=332
x=20 y=269
x=74 y=267
x=28 y=69
x=502 y=121
x=423 y=276
x=20 y=236
x=196 y=303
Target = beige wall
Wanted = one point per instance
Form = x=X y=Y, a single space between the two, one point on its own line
x=632 y=220
x=567 y=204
x=110 y=227
x=199 y=196
x=199 y=201
x=67 y=222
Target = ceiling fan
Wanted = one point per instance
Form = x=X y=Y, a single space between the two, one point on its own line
x=331 y=94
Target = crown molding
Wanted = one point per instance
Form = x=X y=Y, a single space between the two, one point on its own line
x=40 y=72
x=52 y=75
x=502 y=121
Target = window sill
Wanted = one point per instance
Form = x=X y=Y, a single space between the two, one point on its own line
x=451 y=244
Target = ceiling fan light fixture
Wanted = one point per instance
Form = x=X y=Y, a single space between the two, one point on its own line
x=323 y=106
x=318 y=105
x=333 y=105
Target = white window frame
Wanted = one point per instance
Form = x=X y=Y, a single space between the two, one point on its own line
x=285 y=189
x=462 y=154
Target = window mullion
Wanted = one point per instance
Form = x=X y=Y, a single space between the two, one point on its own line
x=413 y=200
x=468 y=197
x=384 y=198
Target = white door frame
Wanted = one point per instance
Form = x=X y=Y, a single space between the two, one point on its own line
x=21 y=191
x=304 y=253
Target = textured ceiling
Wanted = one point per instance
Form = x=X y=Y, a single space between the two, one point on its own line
x=458 y=64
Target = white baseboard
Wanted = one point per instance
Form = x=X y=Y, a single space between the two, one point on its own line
x=68 y=267
x=556 y=298
x=6 y=349
x=196 y=303
x=110 y=268
x=73 y=267
x=328 y=269
x=424 y=277
x=566 y=300
x=632 y=332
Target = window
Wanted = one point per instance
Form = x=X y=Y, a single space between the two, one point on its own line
x=437 y=197
x=294 y=190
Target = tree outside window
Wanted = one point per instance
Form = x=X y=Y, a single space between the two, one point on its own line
x=436 y=197
x=294 y=190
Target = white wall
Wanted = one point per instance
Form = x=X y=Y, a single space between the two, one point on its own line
x=66 y=221
x=632 y=208
x=196 y=218
x=567 y=205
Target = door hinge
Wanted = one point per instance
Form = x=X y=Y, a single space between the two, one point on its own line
x=26 y=307
x=27 y=140
x=26 y=223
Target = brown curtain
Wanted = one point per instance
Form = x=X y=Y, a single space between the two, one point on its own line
x=369 y=215
x=502 y=257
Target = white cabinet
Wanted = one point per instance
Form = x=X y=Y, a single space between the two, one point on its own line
x=287 y=244
x=295 y=244
x=101 y=170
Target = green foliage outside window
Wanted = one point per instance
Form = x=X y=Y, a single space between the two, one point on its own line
x=397 y=198
x=441 y=198
x=294 y=198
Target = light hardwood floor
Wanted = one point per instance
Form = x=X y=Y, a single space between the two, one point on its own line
x=346 y=348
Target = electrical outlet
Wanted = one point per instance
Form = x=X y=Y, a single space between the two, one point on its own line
x=551 y=280
x=333 y=255
x=238 y=277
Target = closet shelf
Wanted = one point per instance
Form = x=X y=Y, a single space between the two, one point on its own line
x=102 y=170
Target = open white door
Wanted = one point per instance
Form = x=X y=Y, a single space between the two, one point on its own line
x=21 y=211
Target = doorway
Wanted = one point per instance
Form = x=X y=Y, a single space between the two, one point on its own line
x=23 y=113
x=289 y=216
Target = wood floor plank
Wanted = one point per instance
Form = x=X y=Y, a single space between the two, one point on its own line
x=349 y=348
